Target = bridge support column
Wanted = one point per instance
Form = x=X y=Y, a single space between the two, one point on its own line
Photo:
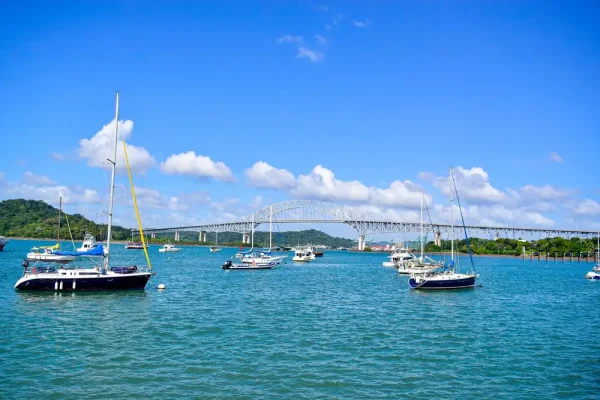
x=177 y=236
x=245 y=238
x=438 y=239
x=204 y=237
x=200 y=236
x=496 y=236
x=361 y=242
x=153 y=235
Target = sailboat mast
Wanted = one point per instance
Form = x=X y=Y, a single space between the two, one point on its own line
x=270 y=227
x=421 y=225
x=216 y=238
x=252 y=231
x=59 y=210
x=112 y=183
x=451 y=217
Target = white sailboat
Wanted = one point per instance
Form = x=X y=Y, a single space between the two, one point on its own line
x=215 y=248
x=594 y=274
x=447 y=277
x=264 y=256
x=101 y=277
x=48 y=253
x=422 y=264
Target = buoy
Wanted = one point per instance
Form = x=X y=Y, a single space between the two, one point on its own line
x=74 y=285
x=56 y=285
x=61 y=285
x=162 y=286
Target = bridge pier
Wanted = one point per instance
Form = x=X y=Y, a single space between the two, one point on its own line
x=361 y=242
x=177 y=236
x=204 y=237
x=496 y=235
x=245 y=238
x=153 y=235
x=200 y=236
x=438 y=239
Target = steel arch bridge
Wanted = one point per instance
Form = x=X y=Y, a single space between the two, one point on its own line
x=312 y=211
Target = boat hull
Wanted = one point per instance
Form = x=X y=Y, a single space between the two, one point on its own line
x=442 y=284
x=2 y=246
x=65 y=284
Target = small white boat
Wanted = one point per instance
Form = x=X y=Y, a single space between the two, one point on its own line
x=229 y=265
x=46 y=254
x=303 y=254
x=89 y=243
x=169 y=248
x=214 y=249
x=592 y=276
x=399 y=258
x=135 y=246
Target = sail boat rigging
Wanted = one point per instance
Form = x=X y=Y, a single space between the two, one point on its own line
x=447 y=277
x=101 y=277
x=51 y=253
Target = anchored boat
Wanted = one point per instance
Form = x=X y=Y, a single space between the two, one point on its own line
x=169 y=248
x=102 y=277
x=446 y=276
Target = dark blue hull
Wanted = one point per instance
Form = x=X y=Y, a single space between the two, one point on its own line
x=443 y=284
x=123 y=282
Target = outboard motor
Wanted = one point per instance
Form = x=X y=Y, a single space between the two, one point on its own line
x=227 y=264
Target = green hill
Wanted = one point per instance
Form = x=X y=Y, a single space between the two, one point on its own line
x=36 y=219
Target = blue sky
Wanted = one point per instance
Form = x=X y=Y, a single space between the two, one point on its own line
x=334 y=100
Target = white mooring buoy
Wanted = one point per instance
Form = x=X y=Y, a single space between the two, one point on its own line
x=162 y=286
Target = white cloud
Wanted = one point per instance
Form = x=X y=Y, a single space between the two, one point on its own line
x=405 y=194
x=587 y=207
x=289 y=39
x=360 y=24
x=313 y=55
x=51 y=194
x=36 y=180
x=473 y=185
x=321 y=40
x=148 y=198
x=99 y=148
x=199 y=166
x=321 y=184
x=554 y=156
x=176 y=205
x=1 y=177
x=58 y=156
x=263 y=175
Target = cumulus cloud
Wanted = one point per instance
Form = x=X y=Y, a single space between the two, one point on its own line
x=322 y=184
x=405 y=194
x=554 y=156
x=51 y=194
x=190 y=164
x=99 y=148
x=263 y=175
x=313 y=55
x=473 y=185
x=256 y=203
x=36 y=180
x=587 y=207
x=176 y=205
x=360 y=24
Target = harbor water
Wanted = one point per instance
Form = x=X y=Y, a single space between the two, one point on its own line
x=342 y=327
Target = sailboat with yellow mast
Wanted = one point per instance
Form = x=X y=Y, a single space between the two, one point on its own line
x=101 y=277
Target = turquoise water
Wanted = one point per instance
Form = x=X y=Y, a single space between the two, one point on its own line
x=343 y=327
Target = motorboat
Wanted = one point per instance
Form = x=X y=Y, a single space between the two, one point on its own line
x=3 y=242
x=214 y=249
x=229 y=265
x=592 y=275
x=89 y=242
x=101 y=277
x=169 y=248
x=303 y=254
x=445 y=277
x=135 y=246
x=399 y=258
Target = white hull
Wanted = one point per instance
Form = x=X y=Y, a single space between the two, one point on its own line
x=301 y=259
x=176 y=250
x=389 y=264
x=49 y=257
x=213 y=250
